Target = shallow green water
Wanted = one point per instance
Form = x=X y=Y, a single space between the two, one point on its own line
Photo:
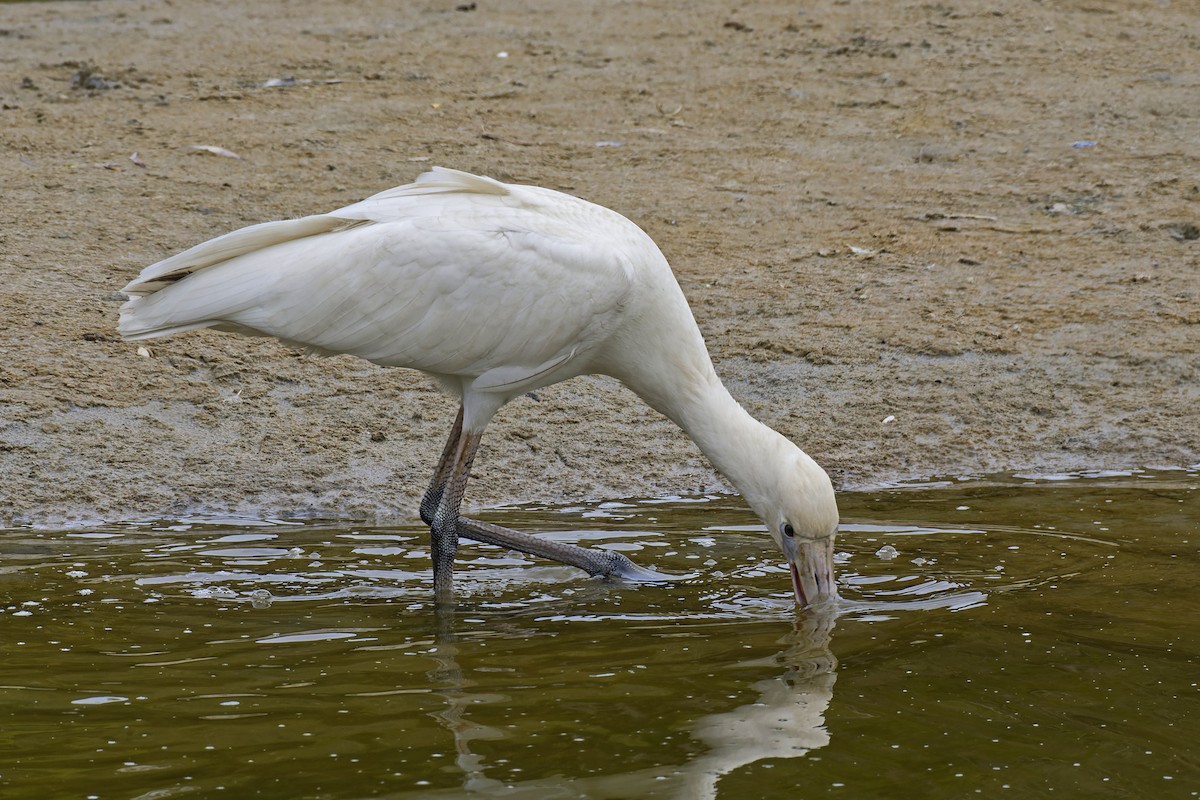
x=1031 y=638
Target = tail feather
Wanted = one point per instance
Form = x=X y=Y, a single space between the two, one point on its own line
x=151 y=312
x=215 y=297
x=229 y=246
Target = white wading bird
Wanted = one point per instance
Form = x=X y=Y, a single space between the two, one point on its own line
x=495 y=290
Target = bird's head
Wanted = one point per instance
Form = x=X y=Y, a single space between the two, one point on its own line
x=801 y=513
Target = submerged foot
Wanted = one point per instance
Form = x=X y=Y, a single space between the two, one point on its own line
x=620 y=566
x=598 y=563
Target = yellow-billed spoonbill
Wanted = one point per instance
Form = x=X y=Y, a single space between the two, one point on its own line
x=496 y=290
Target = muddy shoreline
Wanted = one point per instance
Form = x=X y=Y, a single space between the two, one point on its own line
x=940 y=241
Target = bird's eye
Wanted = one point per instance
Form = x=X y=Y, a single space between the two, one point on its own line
x=788 y=530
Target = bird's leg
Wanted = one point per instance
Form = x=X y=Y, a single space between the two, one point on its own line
x=606 y=563
x=444 y=540
x=443 y=528
x=433 y=495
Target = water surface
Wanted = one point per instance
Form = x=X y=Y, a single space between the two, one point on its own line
x=1035 y=636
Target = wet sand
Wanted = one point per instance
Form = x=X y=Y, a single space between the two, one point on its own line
x=940 y=240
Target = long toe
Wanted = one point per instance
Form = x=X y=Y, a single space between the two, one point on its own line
x=621 y=567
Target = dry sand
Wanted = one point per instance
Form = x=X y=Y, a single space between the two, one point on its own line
x=921 y=238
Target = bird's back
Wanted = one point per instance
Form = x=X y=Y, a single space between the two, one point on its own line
x=458 y=275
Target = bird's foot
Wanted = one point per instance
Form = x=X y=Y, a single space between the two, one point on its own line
x=602 y=563
x=620 y=566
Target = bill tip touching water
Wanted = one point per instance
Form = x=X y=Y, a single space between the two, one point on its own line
x=495 y=290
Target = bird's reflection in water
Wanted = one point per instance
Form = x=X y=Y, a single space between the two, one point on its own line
x=448 y=680
x=786 y=720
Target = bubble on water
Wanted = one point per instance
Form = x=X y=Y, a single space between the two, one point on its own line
x=260 y=598
x=214 y=592
x=887 y=552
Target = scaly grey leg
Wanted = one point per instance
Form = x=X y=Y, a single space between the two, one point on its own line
x=607 y=563
x=443 y=528
x=433 y=495
x=440 y=511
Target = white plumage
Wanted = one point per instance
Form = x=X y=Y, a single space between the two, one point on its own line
x=496 y=290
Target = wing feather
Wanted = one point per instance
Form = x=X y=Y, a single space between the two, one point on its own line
x=455 y=274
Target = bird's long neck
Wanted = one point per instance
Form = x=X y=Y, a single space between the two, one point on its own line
x=742 y=449
x=686 y=390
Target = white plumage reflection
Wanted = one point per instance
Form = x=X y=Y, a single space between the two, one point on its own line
x=496 y=290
